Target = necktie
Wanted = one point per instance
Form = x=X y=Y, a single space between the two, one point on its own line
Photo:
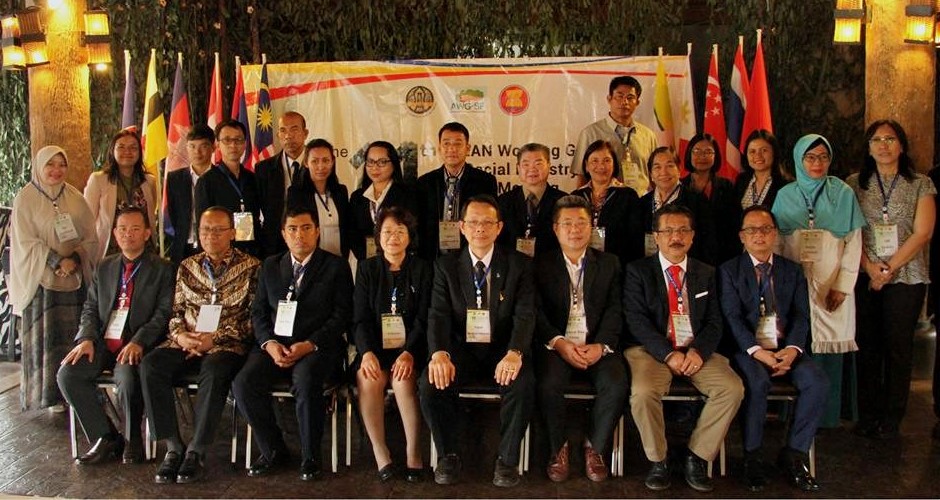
x=532 y=206
x=621 y=132
x=451 y=198
x=763 y=276
x=114 y=345
x=295 y=173
x=676 y=273
x=479 y=276
x=298 y=270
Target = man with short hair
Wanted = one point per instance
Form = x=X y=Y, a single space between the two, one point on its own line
x=276 y=175
x=527 y=209
x=125 y=315
x=670 y=303
x=633 y=141
x=766 y=305
x=180 y=193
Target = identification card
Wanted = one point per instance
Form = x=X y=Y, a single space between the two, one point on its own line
x=478 y=326
x=449 y=235
x=64 y=228
x=598 y=238
x=208 y=319
x=886 y=239
x=767 y=331
x=649 y=245
x=811 y=245
x=284 y=320
x=116 y=324
x=370 y=247
x=244 y=226
x=576 y=332
x=526 y=246
x=393 y=331
x=682 y=324
x=631 y=172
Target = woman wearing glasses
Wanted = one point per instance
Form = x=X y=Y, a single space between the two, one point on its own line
x=382 y=186
x=820 y=226
x=760 y=178
x=899 y=207
x=321 y=189
x=702 y=160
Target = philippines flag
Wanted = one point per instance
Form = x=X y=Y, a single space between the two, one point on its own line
x=757 y=116
x=737 y=103
x=240 y=111
x=214 y=116
x=128 y=120
x=714 y=119
x=264 y=120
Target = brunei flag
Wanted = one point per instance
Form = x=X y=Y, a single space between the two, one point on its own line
x=154 y=125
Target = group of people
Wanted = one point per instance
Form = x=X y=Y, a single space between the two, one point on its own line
x=637 y=277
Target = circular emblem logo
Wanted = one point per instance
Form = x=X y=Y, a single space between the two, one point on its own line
x=514 y=100
x=419 y=100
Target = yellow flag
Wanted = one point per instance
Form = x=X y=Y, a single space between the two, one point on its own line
x=662 y=106
x=154 y=136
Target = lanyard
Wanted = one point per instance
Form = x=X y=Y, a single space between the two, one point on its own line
x=55 y=201
x=207 y=267
x=576 y=288
x=672 y=197
x=235 y=186
x=886 y=197
x=124 y=283
x=325 y=200
x=677 y=287
x=597 y=211
x=480 y=284
x=395 y=300
x=758 y=198
x=294 y=286
x=763 y=287
x=373 y=210
x=626 y=140
x=811 y=207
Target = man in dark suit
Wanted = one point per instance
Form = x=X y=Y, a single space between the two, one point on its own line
x=305 y=348
x=125 y=314
x=180 y=190
x=276 y=175
x=674 y=321
x=527 y=209
x=765 y=301
x=480 y=327
x=579 y=325
x=441 y=192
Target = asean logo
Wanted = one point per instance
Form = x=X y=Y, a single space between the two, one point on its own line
x=419 y=100
x=514 y=100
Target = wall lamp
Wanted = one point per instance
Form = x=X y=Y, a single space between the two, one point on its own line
x=849 y=15
x=24 y=40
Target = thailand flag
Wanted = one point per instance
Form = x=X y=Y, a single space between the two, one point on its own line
x=737 y=103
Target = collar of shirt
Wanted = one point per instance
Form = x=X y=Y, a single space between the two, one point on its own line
x=538 y=193
x=194 y=176
x=225 y=262
x=125 y=261
x=665 y=264
x=486 y=258
x=574 y=269
x=613 y=125
x=756 y=262
x=458 y=176
x=306 y=261
x=369 y=193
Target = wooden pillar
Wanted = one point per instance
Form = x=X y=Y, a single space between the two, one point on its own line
x=59 y=102
x=900 y=79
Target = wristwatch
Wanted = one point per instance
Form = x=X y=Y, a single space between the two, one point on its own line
x=607 y=349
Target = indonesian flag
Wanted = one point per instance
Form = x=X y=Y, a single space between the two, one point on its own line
x=214 y=116
x=757 y=115
x=154 y=136
x=737 y=103
x=714 y=119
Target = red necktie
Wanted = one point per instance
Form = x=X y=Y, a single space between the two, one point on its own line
x=676 y=273
x=115 y=345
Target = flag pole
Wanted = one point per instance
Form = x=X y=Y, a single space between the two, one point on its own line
x=688 y=49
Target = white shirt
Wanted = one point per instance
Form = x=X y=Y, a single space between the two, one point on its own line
x=376 y=202
x=303 y=264
x=751 y=350
x=665 y=264
x=486 y=260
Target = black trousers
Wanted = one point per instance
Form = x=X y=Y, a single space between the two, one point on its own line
x=609 y=378
x=252 y=388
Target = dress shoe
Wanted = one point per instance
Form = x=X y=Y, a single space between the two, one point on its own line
x=385 y=474
x=505 y=476
x=414 y=474
x=866 y=428
x=192 y=469
x=310 y=470
x=104 y=449
x=133 y=452
x=265 y=464
x=794 y=466
x=754 y=477
x=696 y=474
x=594 y=466
x=171 y=465
x=558 y=466
x=657 y=479
x=448 y=469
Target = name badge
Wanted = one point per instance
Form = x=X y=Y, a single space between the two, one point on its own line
x=64 y=228
x=393 y=331
x=116 y=324
x=576 y=332
x=767 y=331
x=284 y=320
x=810 y=245
x=478 y=326
x=598 y=238
x=526 y=246
x=631 y=171
x=649 y=245
x=449 y=235
x=208 y=319
x=682 y=325
x=370 y=247
x=244 y=226
x=886 y=239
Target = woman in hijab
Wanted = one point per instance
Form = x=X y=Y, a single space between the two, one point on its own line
x=53 y=250
x=820 y=221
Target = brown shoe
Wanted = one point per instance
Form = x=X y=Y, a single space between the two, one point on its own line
x=558 y=466
x=594 y=465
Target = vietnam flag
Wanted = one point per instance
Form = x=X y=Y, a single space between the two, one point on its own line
x=737 y=103
x=128 y=114
x=214 y=116
x=179 y=122
x=662 y=106
x=757 y=115
x=240 y=111
x=264 y=120
x=154 y=136
x=714 y=119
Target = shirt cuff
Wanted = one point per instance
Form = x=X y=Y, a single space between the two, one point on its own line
x=551 y=343
x=751 y=350
x=267 y=342
x=797 y=349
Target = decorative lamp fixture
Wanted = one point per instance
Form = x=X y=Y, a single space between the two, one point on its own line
x=849 y=16
x=13 y=55
x=920 y=22
x=34 y=38
x=98 y=39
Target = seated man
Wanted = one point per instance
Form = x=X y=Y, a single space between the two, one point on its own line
x=210 y=332
x=579 y=323
x=764 y=298
x=480 y=327
x=125 y=314
x=304 y=348
x=671 y=307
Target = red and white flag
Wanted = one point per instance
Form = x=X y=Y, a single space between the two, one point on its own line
x=714 y=119
x=757 y=115
x=215 y=116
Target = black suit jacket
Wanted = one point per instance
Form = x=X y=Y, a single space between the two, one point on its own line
x=740 y=300
x=705 y=244
x=646 y=306
x=514 y=210
x=214 y=189
x=304 y=194
x=623 y=222
x=269 y=175
x=725 y=208
x=151 y=304
x=324 y=300
x=179 y=208
x=511 y=303
x=602 y=297
x=431 y=191
x=399 y=195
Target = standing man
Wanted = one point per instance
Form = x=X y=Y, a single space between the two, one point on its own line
x=304 y=348
x=125 y=314
x=670 y=302
x=480 y=327
x=579 y=325
x=442 y=192
x=276 y=175
x=765 y=301
x=633 y=141
x=210 y=332
x=180 y=191
x=527 y=209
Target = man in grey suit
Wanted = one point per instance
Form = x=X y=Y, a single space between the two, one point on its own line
x=126 y=313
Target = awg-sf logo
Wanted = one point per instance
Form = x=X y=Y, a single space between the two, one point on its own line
x=514 y=100
x=469 y=100
x=419 y=100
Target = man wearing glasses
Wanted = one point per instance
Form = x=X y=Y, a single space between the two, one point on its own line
x=765 y=302
x=674 y=322
x=527 y=209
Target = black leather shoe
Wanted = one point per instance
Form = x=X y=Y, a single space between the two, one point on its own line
x=133 y=452
x=265 y=465
x=657 y=479
x=386 y=473
x=166 y=474
x=448 y=469
x=192 y=469
x=413 y=475
x=310 y=470
x=796 y=470
x=505 y=476
x=754 y=477
x=696 y=474
x=105 y=448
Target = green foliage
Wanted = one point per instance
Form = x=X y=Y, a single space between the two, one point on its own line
x=14 y=134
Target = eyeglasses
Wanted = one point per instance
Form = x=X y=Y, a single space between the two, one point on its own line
x=762 y=230
x=484 y=224
x=812 y=158
x=231 y=141
x=703 y=152
x=574 y=224
x=215 y=231
x=381 y=162
x=681 y=232
x=886 y=140
x=397 y=233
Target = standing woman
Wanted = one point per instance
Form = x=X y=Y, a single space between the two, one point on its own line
x=761 y=177
x=382 y=186
x=393 y=293
x=53 y=251
x=898 y=204
x=821 y=222
x=702 y=160
x=120 y=184
x=321 y=189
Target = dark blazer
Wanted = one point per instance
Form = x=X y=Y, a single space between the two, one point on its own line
x=602 y=297
x=646 y=306
x=305 y=193
x=725 y=209
x=431 y=191
x=214 y=189
x=515 y=213
x=151 y=303
x=269 y=175
x=740 y=301
x=741 y=183
x=705 y=245
x=179 y=208
x=324 y=300
x=511 y=302
x=399 y=195
x=624 y=223
x=372 y=299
